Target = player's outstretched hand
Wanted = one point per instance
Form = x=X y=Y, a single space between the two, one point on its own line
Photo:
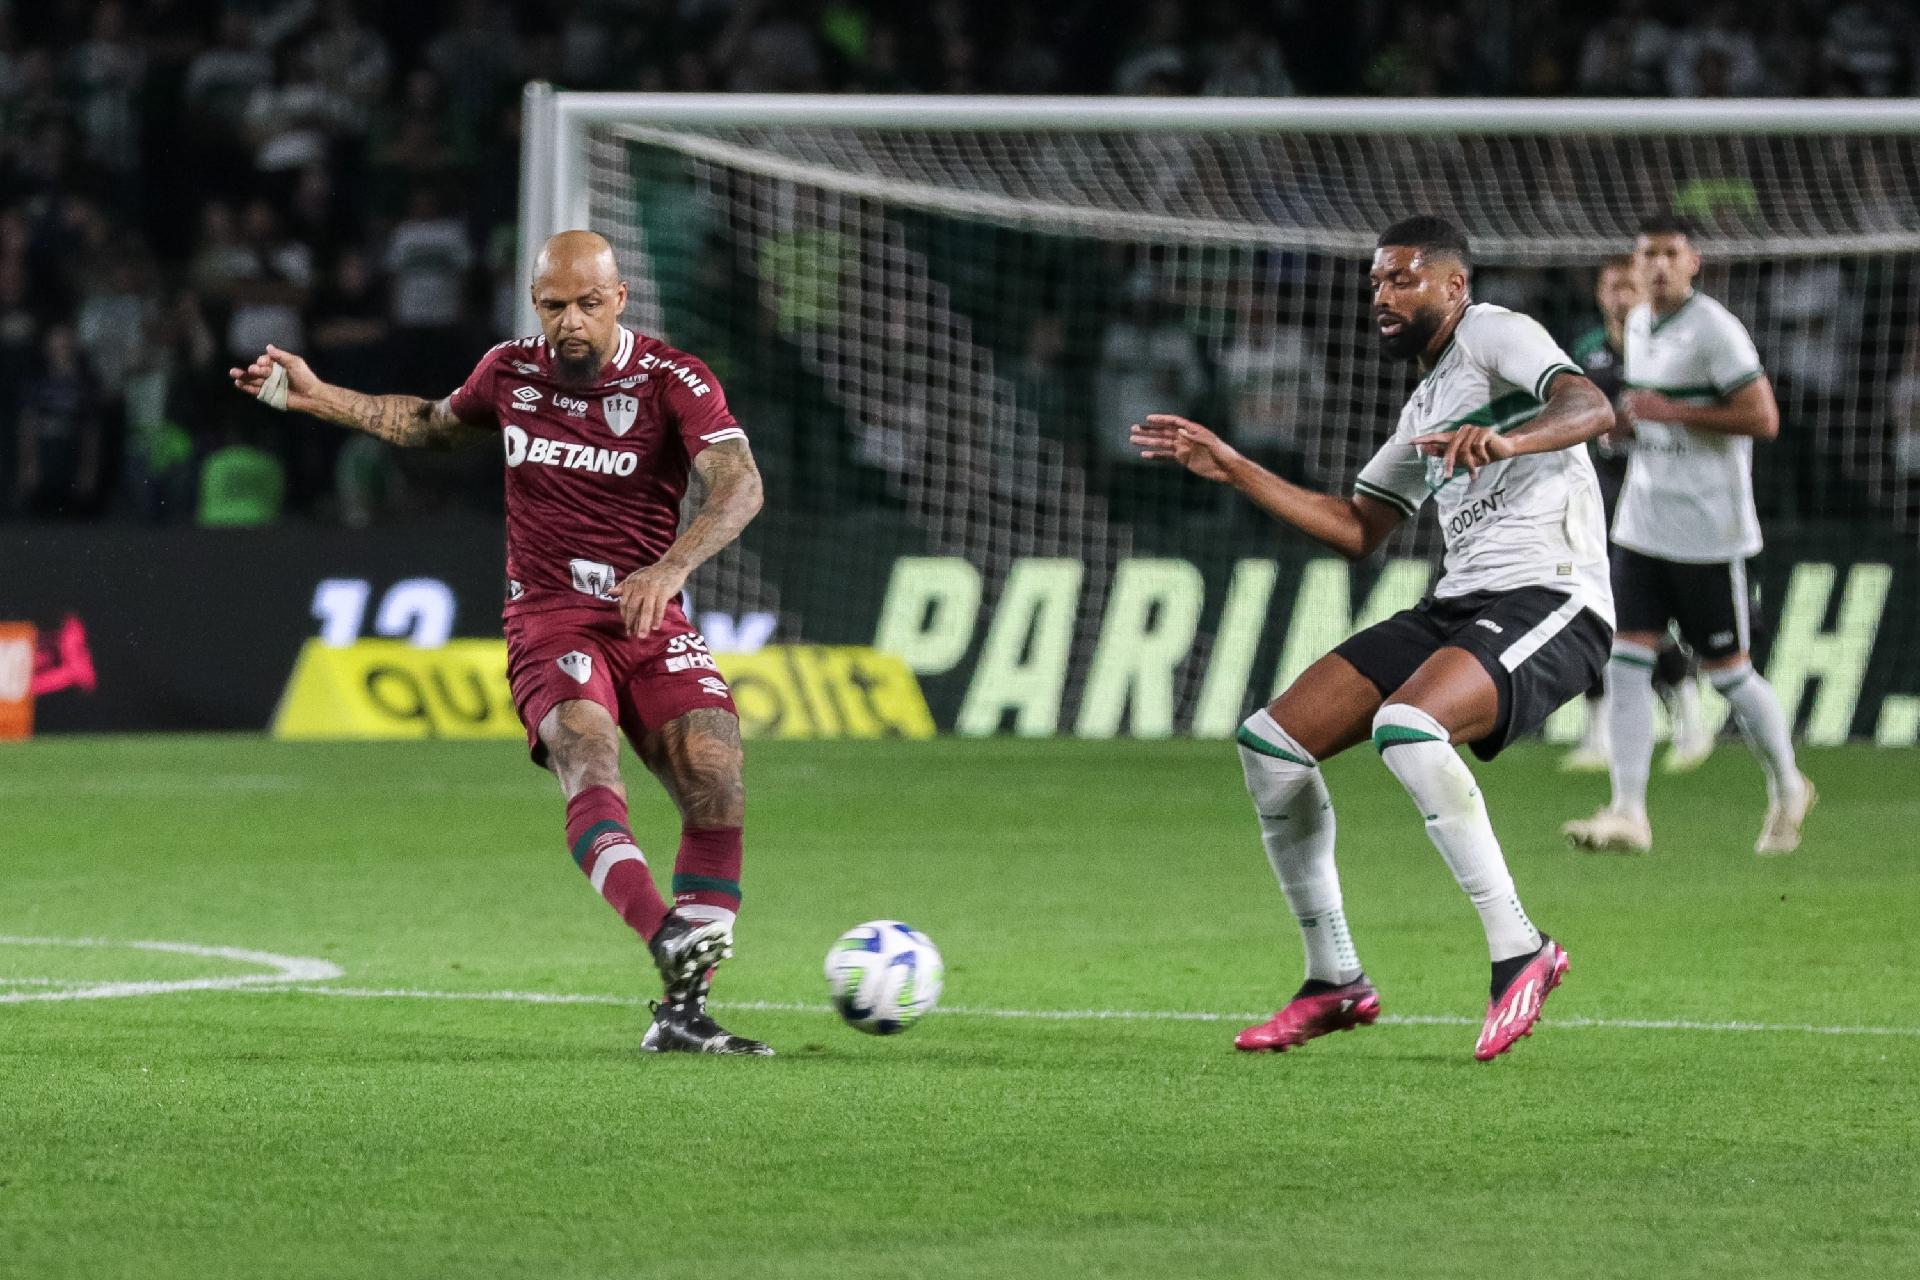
x=1166 y=435
x=645 y=594
x=1469 y=447
x=259 y=380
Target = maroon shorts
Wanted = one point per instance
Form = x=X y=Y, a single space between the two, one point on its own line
x=643 y=682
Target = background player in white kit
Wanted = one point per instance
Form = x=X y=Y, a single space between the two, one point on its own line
x=1696 y=400
x=1519 y=623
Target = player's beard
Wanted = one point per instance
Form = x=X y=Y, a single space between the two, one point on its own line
x=578 y=371
x=1413 y=339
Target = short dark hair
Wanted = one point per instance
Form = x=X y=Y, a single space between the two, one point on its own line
x=1667 y=224
x=1428 y=234
x=1613 y=262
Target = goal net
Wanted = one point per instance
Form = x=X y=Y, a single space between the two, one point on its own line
x=938 y=318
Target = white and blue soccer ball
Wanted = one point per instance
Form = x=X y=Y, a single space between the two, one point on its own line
x=883 y=975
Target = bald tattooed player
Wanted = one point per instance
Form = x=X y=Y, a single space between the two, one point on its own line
x=600 y=427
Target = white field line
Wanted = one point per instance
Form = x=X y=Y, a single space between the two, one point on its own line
x=284 y=969
x=1092 y=1015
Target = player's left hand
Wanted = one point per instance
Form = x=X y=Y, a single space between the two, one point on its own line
x=1469 y=447
x=645 y=595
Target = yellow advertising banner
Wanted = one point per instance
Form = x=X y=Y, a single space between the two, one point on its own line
x=391 y=689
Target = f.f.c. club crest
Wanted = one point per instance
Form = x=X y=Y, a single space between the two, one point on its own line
x=619 y=411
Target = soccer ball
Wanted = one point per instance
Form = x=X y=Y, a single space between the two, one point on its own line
x=883 y=975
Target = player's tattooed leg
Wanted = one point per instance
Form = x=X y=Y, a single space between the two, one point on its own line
x=583 y=746
x=697 y=758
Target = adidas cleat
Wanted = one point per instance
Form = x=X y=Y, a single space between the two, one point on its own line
x=1312 y=1014
x=1512 y=1012
x=684 y=1026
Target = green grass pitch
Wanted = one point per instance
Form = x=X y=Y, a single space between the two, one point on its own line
x=284 y=1133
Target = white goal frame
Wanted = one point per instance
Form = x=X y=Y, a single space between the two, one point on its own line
x=555 y=125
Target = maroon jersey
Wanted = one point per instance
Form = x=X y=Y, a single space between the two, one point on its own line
x=595 y=474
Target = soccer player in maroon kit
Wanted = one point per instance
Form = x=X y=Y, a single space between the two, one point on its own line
x=600 y=426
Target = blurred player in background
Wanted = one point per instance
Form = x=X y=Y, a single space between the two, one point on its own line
x=1519 y=622
x=600 y=426
x=1696 y=400
x=1602 y=355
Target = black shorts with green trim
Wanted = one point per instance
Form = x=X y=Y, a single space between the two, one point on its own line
x=1712 y=602
x=1541 y=647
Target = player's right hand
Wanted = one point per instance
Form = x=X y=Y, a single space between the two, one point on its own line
x=1166 y=435
x=302 y=383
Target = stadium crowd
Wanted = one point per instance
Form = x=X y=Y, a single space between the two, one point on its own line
x=182 y=181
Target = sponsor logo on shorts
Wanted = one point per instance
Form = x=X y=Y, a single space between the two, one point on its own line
x=693 y=640
x=714 y=685
x=577 y=665
x=592 y=578
x=528 y=396
x=514 y=589
x=1490 y=625
x=565 y=455
x=689 y=661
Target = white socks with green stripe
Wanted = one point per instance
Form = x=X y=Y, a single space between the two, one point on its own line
x=1630 y=704
x=1415 y=746
x=1296 y=826
x=1757 y=711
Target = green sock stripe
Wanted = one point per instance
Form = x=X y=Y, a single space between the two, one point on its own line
x=685 y=883
x=592 y=833
x=1394 y=735
x=1633 y=660
x=1253 y=742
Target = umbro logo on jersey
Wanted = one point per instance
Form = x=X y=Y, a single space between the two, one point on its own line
x=526 y=395
x=577 y=665
x=619 y=411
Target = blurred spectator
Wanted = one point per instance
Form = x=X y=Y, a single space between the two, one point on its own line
x=1149 y=363
x=474 y=58
x=1247 y=64
x=1904 y=397
x=222 y=80
x=765 y=49
x=1625 y=54
x=1158 y=60
x=353 y=58
x=112 y=322
x=1716 y=58
x=166 y=392
x=427 y=260
x=1869 y=47
x=270 y=289
x=292 y=122
x=61 y=437
x=103 y=75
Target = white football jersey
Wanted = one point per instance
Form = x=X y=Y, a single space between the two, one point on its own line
x=1530 y=521
x=1689 y=494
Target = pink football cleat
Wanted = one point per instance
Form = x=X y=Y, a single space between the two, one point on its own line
x=1355 y=1004
x=1512 y=1013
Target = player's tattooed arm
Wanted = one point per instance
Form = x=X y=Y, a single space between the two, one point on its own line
x=733 y=498
x=408 y=421
x=1576 y=411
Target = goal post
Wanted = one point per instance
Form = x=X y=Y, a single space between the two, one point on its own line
x=937 y=314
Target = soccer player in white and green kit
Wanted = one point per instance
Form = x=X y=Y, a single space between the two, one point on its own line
x=1696 y=400
x=1519 y=622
